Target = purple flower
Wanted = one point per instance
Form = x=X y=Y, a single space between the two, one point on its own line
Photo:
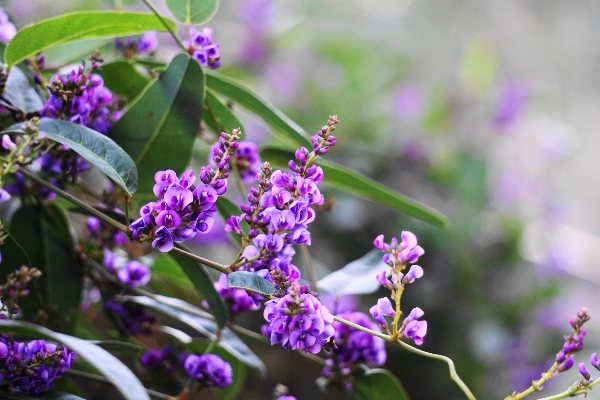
x=209 y=370
x=381 y=309
x=566 y=365
x=298 y=321
x=407 y=251
x=4 y=195
x=415 y=329
x=134 y=274
x=354 y=346
x=512 y=101
x=148 y=42
x=583 y=371
x=7 y=29
x=134 y=317
x=7 y=143
x=202 y=48
x=408 y=103
x=415 y=272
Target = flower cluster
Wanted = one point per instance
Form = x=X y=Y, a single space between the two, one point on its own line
x=280 y=210
x=209 y=370
x=397 y=256
x=16 y=287
x=133 y=317
x=82 y=98
x=183 y=209
x=246 y=160
x=202 y=49
x=354 y=346
x=32 y=367
x=147 y=43
x=298 y=321
x=236 y=300
x=7 y=29
x=573 y=342
x=133 y=274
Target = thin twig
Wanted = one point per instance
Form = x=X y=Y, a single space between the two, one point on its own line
x=574 y=390
x=219 y=267
x=173 y=33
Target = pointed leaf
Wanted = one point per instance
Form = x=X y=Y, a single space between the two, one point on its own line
x=229 y=340
x=21 y=94
x=104 y=362
x=159 y=129
x=287 y=129
x=357 y=277
x=353 y=182
x=193 y=11
x=96 y=148
x=205 y=285
x=77 y=26
x=218 y=116
x=378 y=384
x=250 y=281
x=123 y=79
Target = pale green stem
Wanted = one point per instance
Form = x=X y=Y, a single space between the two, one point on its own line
x=219 y=267
x=535 y=385
x=173 y=33
x=573 y=391
x=362 y=328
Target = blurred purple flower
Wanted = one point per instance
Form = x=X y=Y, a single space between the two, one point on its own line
x=209 y=370
x=134 y=274
x=407 y=103
x=7 y=29
x=512 y=100
x=283 y=76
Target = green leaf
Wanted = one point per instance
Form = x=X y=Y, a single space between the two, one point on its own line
x=121 y=3
x=6 y=394
x=193 y=11
x=227 y=208
x=353 y=182
x=229 y=340
x=104 y=362
x=479 y=65
x=250 y=281
x=284 y=127
x=123 y=79
x=357 y=277
x=205 y=285
x=74 y=52
x=378 y=384
x=239 y=369
x=95 y=147
x=218 y=116
x=436 y=119
x=159 y=129
x=44 y=234
x=78 y=26
x=20 y=93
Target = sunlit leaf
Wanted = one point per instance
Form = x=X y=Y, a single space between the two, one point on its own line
x=104 y=362
x=78 y=26
x=218 y=116
x=95 y=147
x=193 y=11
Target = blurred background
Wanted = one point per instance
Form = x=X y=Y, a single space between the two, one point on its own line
x=487 y=111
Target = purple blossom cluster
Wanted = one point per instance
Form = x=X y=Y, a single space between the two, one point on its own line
x=354 y=346
x=209 y=370
x=133 y=274
x=298 y=321
x=573 y=342
x=183 y=209
x=134 y=318
x=82 y=98
x=7 y=29
x=280 y=210
x=147 y=43
x=236 y=300
x=246 y=159
x=202 y=49
x=32 y=367
x=397 y=256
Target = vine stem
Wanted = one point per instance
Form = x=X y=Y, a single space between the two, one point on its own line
x=453 y=375
x=173 y=33
x=73 y=199
x=575 y=390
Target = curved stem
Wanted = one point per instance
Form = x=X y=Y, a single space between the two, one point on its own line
x=578 y=388
x=173 y=34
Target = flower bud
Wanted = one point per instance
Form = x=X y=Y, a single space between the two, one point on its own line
x=583 y=371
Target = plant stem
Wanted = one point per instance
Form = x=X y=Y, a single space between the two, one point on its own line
x=173 y=33
x=362 y=328
x=219 y=267
x=73 y=199
x=578 y=388
x=535 y=385
x=453 y=375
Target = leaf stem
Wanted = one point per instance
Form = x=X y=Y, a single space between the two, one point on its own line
x=219 y=267
x=173 y=33
x=578 y=388
x=536 y=385
x=73 y=199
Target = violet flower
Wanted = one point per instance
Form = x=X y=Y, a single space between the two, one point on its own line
x=382 y=309
x=415 y=329
x=202 y=48
x=134 y=274
x=209 y=370
x=7 y=28
x=595 y=361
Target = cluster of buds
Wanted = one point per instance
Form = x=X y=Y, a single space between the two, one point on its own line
x=202 y=49
x=246 y=160
x=209 y=370
x=323 y=139
x=573 y=342
x=253 y=210
x=15 y=287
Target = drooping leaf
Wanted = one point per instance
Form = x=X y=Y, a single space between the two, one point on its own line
x=193 y=11
x=205 y=285
x=21 y=94
x=353 y=182
x=104 y=362
x=78 y=26
x=250 y=281
x=239 y=369
x=8 y=395
x=165 y=116
x=291 y=132
x=95 y=147
x=378 y=384
x=218 y=116
x=229 y=340
x=227 y=208
x=357 y=277
x=123 y=79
